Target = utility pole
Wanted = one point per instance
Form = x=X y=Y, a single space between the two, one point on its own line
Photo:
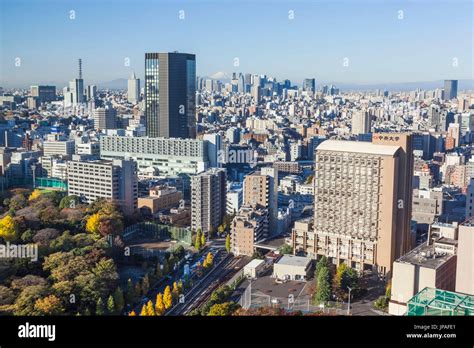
x=349 y=303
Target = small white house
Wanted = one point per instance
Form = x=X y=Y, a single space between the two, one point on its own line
x=291 y=267
x=253 y=268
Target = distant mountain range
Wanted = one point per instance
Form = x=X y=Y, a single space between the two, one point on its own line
x=465 y=84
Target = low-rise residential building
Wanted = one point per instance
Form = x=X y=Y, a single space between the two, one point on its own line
x=160 y=198
x=291 y=267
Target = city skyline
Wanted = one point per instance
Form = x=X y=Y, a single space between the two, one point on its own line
x=338 y=42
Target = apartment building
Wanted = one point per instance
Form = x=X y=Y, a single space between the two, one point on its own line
x=115 y=180
x=261 y=191
x=208 y=199
x=249 y=227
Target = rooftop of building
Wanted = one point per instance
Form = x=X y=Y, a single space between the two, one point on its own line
x=292 y=260
x=358 y=147
x=254 y=263
x=469 y=222
x=424 y=255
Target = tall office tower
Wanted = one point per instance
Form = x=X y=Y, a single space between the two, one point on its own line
x=360 y=122
x=77 y=86
x=256 y=93
x=105 y=118
x=450 y=89
x=248 y=82
x=362 y=213
x=91 y=92
x=433 y=116
x=261 y=191
x=43 y=93
x=208 y=199
x=309 y=85
x=241 y=83
x=170 y=102
x=115 y=180
x=133 y=91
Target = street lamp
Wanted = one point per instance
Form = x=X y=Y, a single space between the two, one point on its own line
x=33 y=168
x=349 y=302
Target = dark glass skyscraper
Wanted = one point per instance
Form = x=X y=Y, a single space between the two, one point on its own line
x=170 y=88
x=450 y=89
x=309 y=85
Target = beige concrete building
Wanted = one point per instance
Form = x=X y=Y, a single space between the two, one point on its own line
x=465 y=260
x=363 y=201
x=208 y=199
x=248 y=227
x=360 y=122
x=160 y=198
x=261 y=191
x=303 y=238
x=428 y=265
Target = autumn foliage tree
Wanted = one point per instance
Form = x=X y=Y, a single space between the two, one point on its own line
x=159 y=304
x=34 y=195
x=49 y=305
x=167 y=297
x=93 y=223
x=8 y=228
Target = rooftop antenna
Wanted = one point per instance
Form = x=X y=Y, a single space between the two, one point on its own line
x=80 y=68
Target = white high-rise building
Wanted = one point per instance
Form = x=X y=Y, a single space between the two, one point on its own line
x=115 y=180
x=133 y=89
x=360 y=122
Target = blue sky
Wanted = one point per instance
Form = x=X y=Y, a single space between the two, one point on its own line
x=380 y=47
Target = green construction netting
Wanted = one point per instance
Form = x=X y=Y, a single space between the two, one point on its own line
x=430 y=301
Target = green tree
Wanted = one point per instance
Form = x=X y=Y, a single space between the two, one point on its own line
x=158 y=272
x=203 y=240
x=222 y=309
x=145 y=285
x=130 y=292
x=100 y=307
x=286 y=249
x=69 y=202
x=138 y=290
x=323 y=262
x=119 y=300
x=323 y=290
x=197 y=242
x=111 y=305
x=227 y=243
